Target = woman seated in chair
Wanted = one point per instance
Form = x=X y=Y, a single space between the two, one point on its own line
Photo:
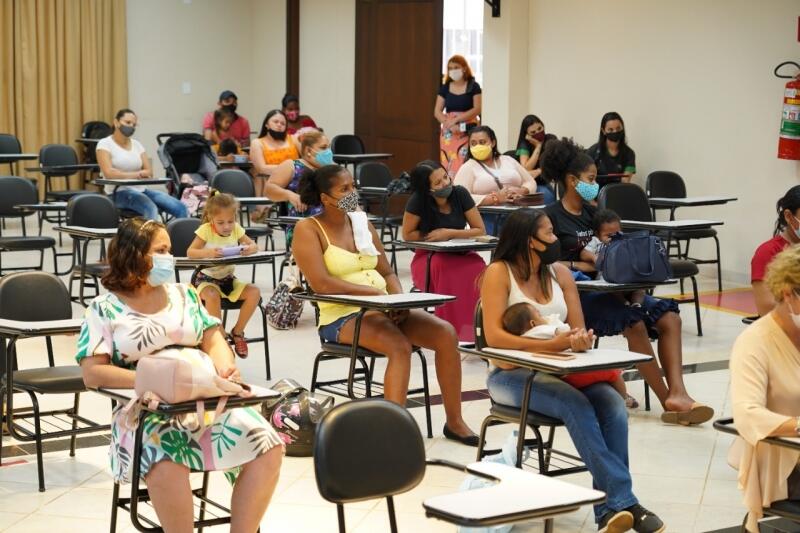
x=787 y=233
x=339 y=252
x=440 y=211
x=525 y=269
x=606 y=314
x=121 y=157
x=765 y=372
x=141 y=315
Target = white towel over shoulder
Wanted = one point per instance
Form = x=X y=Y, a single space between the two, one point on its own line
x=361 y=233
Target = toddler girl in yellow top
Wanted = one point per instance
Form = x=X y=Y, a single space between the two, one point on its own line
x=214 y=238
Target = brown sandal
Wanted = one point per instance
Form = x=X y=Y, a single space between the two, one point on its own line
x=239 y=344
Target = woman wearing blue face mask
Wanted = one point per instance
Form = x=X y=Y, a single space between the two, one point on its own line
x=142 y=314
x=658 y=318
x=284 y=183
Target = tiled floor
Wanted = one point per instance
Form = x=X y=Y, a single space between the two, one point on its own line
x=680 y=473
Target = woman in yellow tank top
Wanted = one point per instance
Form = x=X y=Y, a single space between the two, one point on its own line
x=325 y=250
x=272 y=148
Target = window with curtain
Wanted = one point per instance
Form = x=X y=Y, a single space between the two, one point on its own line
x=62 y=63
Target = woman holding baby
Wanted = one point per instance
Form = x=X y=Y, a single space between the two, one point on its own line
x=526 y=270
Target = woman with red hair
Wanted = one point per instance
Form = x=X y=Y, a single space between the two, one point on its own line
x=458 y=109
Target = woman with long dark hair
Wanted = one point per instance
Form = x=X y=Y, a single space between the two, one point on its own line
x=525 y=269
x=440 y=211
x=273 y=146
x=787 y=233
x=615 y=160
x=530 y=144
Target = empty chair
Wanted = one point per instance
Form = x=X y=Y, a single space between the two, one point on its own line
x=373 y=174
x=666 y=184
x=9 y=144
x=347 y=145
x=630 y=202
x=37 y=297
x=95 y=211
x=95 y=129
x=15 y=191
x=55 y=155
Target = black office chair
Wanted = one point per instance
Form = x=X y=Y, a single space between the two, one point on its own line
x=95 y=211
x=379 y=203
x=630 y=202
x=15 y=191
x=239 y=184
x=666 y=184
x=51 y=155
x=504 y=414
x=360 y=382
x=347 y=145
x=181 y=234
x=95 y=129
x=512 y=153
x=36 y=297
x=9 y=144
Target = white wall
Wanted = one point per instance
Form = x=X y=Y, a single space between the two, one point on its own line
x=212 y=44
x=327 y=63
x=693 y=81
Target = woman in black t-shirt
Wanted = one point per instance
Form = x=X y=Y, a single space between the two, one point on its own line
x=611 y=154
x=458 y=109
x=440 y=211
x=603 y=312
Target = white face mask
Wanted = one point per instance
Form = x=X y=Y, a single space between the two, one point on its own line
x=795 y=316
x=456 y=74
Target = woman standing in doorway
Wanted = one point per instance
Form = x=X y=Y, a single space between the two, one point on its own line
x=458 y=109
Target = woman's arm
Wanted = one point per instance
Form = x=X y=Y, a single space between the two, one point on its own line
x=257 y=158
x=765 y=302
x=384 y=268
x=197 y=250
x=111 y=173
x=276 y=186
x=475 y=229
x=218 y=349
x=411 y=230
x=438 y=110
x=307 y=251
x=587 y=257
x=494 y=299
x=570 y=290
x=527 y=180
x=98 y=372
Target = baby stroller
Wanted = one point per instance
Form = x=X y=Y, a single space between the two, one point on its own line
x=189 y=164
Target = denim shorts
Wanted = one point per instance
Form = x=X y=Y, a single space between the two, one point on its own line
x=330 y=332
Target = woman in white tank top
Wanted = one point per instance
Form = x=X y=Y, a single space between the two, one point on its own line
x=525 y=269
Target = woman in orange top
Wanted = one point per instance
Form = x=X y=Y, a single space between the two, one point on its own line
x=272 y=148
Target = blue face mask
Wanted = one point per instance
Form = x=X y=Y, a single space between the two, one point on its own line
x=588 y=191
x=163 y=269
x=324 y=157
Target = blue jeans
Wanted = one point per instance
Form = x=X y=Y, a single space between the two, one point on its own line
x=547 y=191
x=149 y=202
x=596 y=420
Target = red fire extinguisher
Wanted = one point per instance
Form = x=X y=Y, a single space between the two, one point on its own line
x=789 y=138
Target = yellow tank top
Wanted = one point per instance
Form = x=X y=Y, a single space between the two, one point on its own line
x=351 y=267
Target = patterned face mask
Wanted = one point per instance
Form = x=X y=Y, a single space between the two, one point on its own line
x=348 y=203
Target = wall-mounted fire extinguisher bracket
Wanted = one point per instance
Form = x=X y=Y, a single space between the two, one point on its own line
x=789 y=137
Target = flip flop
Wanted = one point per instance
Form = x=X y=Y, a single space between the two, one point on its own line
x=698 y=414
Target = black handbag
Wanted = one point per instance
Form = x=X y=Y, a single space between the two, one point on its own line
x=634 y=258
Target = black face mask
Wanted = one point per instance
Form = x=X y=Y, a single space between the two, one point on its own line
x=277 y=135
x=551 y=252
x=230 y=107
x=615 y=136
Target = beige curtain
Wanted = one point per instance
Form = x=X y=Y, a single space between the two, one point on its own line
x=62 y=63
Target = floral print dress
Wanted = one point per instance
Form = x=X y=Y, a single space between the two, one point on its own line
x=236 y=438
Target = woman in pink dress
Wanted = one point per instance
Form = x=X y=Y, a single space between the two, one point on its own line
x=440 y=211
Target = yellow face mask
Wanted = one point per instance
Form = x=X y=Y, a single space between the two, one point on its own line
x=480 y=151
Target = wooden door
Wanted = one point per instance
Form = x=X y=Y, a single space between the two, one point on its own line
x=398 y=73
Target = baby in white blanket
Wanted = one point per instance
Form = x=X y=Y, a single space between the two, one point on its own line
x=525 y=320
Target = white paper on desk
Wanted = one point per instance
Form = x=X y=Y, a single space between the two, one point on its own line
x=587 y=360
x=405 y=297
x=98 y=231
x=238 y=258
x=518 y=491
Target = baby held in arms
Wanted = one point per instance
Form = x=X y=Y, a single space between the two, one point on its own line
x=525 y=320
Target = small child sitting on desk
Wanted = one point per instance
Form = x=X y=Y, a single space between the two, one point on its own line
x=525 y=320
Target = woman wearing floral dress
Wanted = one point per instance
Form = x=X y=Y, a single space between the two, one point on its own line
x=142 y=315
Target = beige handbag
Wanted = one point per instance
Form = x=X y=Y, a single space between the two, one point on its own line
x=177 y=375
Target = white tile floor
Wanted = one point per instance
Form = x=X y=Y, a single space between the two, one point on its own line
x=680 y=473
